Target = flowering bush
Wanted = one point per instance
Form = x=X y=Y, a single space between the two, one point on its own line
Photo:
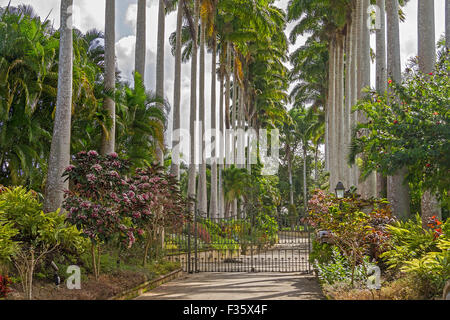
x=5 y=282
x=355 y=224
x=94 y=201
x=409 y=128
x=103 y=203
x=154 y=202
x=436 y=225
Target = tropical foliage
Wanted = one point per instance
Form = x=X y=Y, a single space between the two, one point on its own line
x=409 y=128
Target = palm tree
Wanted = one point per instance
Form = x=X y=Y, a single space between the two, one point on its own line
x=397 y=189
x=175 y=169
x=381 y=77
x=426 y=36
x=307 y=126
x=235 y=183
x=214 y=192
x=160 y=63
x=193 y=111
x=447 y=23
x=141 y=36
x=369 y=186
x=427 y=60
x=59 y=158
x=202 y=191
x=29 y=73
x=291 y=141
x=108 y=140
x=140 y=122
x=356 y=21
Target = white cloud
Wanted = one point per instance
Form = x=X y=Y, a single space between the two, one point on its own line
x=130 y=16
x=88 y=14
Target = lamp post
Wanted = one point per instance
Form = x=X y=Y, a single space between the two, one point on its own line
x=340 y=190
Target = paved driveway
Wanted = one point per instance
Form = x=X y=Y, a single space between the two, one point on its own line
x=238 y=286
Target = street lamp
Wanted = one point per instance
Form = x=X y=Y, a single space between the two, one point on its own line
x=340 y=190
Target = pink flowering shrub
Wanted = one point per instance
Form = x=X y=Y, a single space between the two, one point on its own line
x=91 y=203
x=154 y=202
x=104 y=204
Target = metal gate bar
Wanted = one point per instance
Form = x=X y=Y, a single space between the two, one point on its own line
x=241 y=245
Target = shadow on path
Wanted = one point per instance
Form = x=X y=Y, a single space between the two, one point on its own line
x=239 y=286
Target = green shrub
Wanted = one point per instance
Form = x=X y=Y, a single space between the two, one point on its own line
x=38 y=233
x=408 y=241
x=423 y=255
x=7 y=246
x=340 y=270
x=321 y=252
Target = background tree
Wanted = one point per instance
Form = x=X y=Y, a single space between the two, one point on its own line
x=59 y=158
x=109 y=137
x=397 y=188
x=141 y=38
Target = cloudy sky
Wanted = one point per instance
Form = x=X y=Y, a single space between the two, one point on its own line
x=90 y=14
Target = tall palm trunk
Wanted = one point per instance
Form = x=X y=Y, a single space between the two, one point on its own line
x=227 y=107
x=175 y=168
x=160 y=66
x=331 y=114
x=291 y=184
x=233 y=125
x=221 y=199
x=426 y=36
x=141 y=36
x=316 y=161
x=202 y=191
x=368 y=187
x=381 y=78
x=447 y=23
x=213 y=200
x=108 y=139
x=356 y=19
x=427 y=60
x=339 y=111
x=59 y=158
x=305 y=187
x=193 y=111
x=348 y=102
x=397 y=189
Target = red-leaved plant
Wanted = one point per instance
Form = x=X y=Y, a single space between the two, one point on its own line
x=5 y=282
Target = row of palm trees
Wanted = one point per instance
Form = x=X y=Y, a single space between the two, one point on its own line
x=248 y=47
x=343 y=26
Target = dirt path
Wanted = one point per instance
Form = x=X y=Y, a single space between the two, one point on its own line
x=238 y=286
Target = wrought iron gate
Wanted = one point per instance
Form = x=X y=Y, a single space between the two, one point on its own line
x=241 y=245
